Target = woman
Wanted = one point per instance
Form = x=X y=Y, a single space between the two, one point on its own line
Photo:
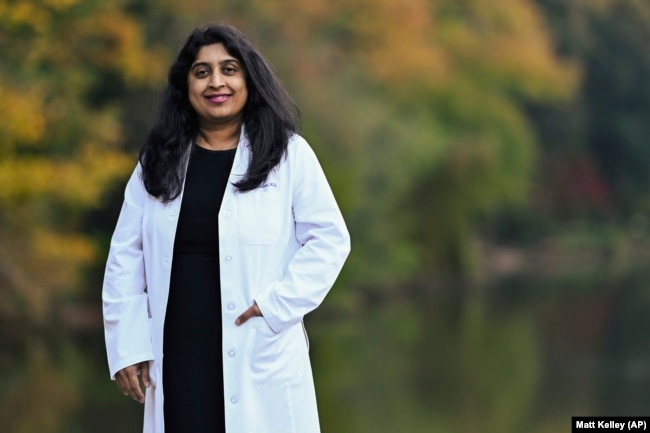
x=229 y=234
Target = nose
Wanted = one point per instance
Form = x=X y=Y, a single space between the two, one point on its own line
x=216 y=80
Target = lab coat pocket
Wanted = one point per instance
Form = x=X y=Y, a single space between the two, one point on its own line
x=259 y=217
x=275 y=358
x=275 y=412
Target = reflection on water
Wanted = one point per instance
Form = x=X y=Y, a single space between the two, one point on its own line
x=523 y=354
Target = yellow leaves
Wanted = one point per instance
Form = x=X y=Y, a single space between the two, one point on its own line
x=306 y=15
x=103 y=36
x=423 y=44
x=60 y=4
x=114 y=40
x=394 y=39
x=22 y=114
x=24 y=13
x=60 y=138
x=79 y=181
x=504 y=44
x=399 y=45
x=40 y=262
x=96 y=168
x=520 y=47
x=466 y=66
x=63 y=248
x=34 y=14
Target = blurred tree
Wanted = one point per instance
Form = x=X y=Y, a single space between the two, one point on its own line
x=61 y=138
x=604 y=129
x=418 y=109
x=62 y=65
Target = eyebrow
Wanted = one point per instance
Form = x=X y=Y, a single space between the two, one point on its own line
x=223 y=62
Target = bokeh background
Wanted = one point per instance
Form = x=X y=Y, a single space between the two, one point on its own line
x=491 y=158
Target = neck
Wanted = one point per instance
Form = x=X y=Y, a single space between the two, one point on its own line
x=222 y=137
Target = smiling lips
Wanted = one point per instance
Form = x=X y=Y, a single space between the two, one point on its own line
x=218 y=99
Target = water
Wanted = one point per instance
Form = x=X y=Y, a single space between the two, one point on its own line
x=523 y=353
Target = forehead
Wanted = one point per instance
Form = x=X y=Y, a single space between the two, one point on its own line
x=213 y=53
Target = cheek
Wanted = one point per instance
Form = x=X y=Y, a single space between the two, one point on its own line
x=244 y=93
x=243 y=88
x=193 y=95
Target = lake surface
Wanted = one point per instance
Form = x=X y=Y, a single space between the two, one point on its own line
x=522 y=353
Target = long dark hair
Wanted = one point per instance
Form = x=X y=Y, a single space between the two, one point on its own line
x=270 y=116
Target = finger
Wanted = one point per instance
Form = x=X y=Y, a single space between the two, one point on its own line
x=122 y=379
x=125 y=379
x=242 y=318
x=144 y=374
x=119 y=381
x=134 y=389
x=250 y=312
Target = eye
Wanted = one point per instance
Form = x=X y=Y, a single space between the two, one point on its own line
x=229 y=70
x=201 y=73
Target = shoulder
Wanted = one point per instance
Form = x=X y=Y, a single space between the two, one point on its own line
x=299 y=149
x=135 y=190
x=296 y=141
x=301 y=160
x=136 y=180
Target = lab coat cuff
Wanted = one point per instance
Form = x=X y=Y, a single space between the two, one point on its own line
x=275 y=322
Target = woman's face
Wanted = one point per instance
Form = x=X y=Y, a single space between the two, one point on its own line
x=216 y=86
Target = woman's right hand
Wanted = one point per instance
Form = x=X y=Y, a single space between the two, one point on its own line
x=129 y=383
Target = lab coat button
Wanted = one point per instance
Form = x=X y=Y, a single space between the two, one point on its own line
x=231 y=306
x=229 y=258
x=226 y=213
x=234 y=399
x=232 y=353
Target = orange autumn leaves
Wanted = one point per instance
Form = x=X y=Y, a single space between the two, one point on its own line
x=423 y=42
x=470 y=61
x=59 y=150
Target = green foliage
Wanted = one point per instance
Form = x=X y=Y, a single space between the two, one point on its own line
x=607 y=123
x=419 y=124
x=63 y=64
x=429 y=117
x=61 y=137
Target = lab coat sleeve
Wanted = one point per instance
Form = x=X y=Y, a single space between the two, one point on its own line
x=325 y=245
x=124 y=297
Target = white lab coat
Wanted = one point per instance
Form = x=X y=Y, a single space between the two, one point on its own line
x=281 y=245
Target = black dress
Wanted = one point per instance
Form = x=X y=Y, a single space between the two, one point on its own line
x=193 y=365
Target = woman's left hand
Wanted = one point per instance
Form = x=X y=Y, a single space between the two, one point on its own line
x=253 y=311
